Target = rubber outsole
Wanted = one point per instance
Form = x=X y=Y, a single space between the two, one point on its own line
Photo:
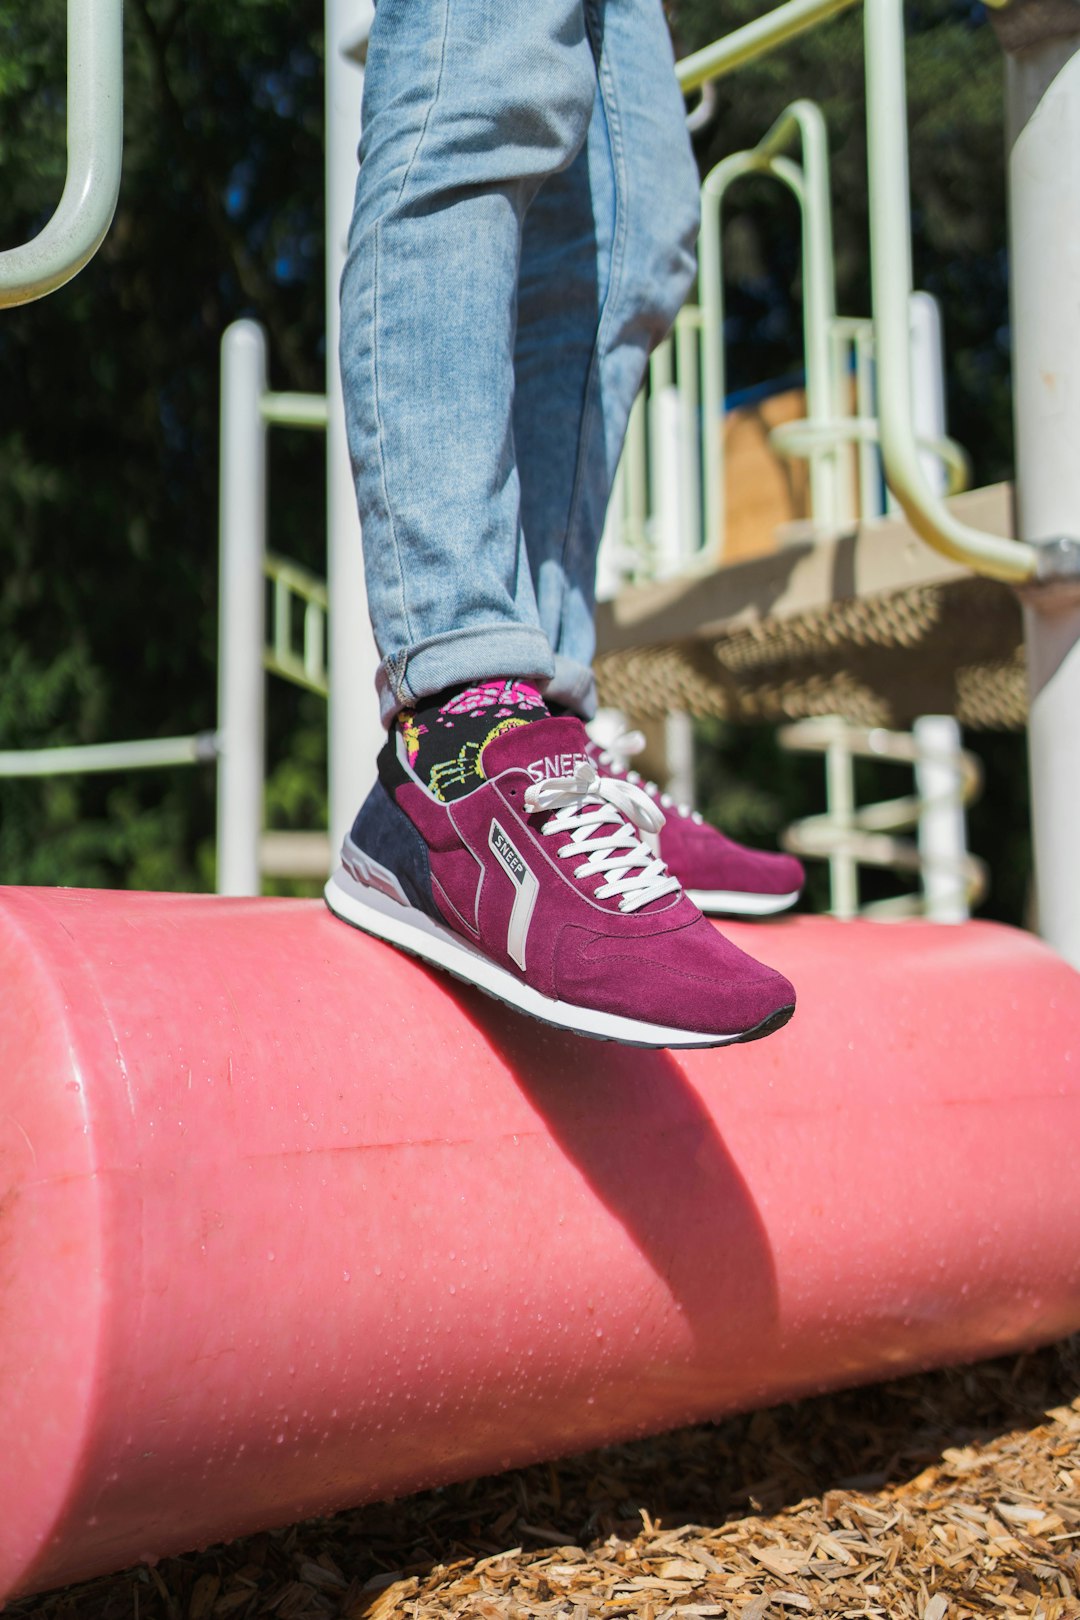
x=412 y=931
x=739 y=903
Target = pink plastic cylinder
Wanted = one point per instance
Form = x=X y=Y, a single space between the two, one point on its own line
x=289 y=1221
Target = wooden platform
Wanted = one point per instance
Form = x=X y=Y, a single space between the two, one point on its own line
x=825 y=626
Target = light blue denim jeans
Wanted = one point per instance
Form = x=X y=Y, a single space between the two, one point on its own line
x=523 y=236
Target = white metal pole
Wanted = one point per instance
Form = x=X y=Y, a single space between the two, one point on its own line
x=679 y=758
x=927 y=388
x=669 y=547
x=241 y=609
x=840 y=806
x=355 y=733
x=928 y=382
x=942 y=833
x=144 y=754
x=611 y=558
x=1044 y=194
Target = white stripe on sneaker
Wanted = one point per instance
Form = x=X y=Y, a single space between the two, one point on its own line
x=527 y=887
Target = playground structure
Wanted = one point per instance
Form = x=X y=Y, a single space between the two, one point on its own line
x=667 y=516
x=263 y=1257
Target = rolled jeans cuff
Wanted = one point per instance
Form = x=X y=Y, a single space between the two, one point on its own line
x=573 y=685
x=458 y=658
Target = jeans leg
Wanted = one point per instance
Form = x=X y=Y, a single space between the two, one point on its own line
x=607 y=259
x=468 y=107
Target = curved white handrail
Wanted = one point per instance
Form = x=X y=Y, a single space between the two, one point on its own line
x=890 y=253
x=94 y=144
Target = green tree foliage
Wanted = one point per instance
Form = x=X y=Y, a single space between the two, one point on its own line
x=108 y=413
x=108 y=409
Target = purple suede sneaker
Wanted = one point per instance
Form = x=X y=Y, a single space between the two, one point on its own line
x=538 y=888
x=720 y=876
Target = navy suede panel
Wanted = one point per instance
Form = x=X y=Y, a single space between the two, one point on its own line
x=385 y=833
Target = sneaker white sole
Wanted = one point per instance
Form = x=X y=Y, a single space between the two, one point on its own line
x=737 y=903
x=378 y=913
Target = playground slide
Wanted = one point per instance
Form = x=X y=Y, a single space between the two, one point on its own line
x=289 y=1221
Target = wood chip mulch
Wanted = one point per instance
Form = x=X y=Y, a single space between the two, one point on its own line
x=940 y=1497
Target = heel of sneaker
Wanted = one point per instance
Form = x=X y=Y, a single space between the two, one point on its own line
x=386 y=853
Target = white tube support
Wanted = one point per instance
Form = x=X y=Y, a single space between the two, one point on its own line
x=86 y=758
x=840 y=802
x=611 y=558
x=679 y=759
x=928 y=384
x=355 y=732
x=942 y=836
x=241 y=610
x=1044 y=193
x=95 y=139
x=665 y=463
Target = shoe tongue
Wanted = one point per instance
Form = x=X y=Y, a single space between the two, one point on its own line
x=543 y=748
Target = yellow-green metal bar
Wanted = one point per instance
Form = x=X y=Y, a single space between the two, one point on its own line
x=295 y=410
x=711 y=280
x=688 y=360
x=315 y=642
x=95 y=138
x=810 y=186
x=282 y=636
x=804 y=120
x=306 y=667
x=754 y=39
x=800 y=439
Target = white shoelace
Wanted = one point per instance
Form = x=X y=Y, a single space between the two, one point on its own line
x=632 y=742
x=587 y=805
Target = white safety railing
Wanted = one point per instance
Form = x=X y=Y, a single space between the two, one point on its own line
x=148 y=753
x=248 y=409
x=849 y=835
x=297 y=651
x=95 y=137
x=674 y=450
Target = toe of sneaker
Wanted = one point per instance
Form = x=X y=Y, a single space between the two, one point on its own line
x=777 y=873
x=705 y=859
x=691 y=979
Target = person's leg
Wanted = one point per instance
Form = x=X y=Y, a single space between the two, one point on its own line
x=607 y=259
x=513 y=865
x=468 y=108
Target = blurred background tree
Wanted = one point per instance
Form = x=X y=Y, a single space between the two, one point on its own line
x=108 y=413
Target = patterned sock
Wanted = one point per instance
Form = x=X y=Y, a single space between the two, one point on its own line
x=446 y=734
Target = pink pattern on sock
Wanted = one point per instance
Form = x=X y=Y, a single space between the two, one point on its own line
x=488 y=694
